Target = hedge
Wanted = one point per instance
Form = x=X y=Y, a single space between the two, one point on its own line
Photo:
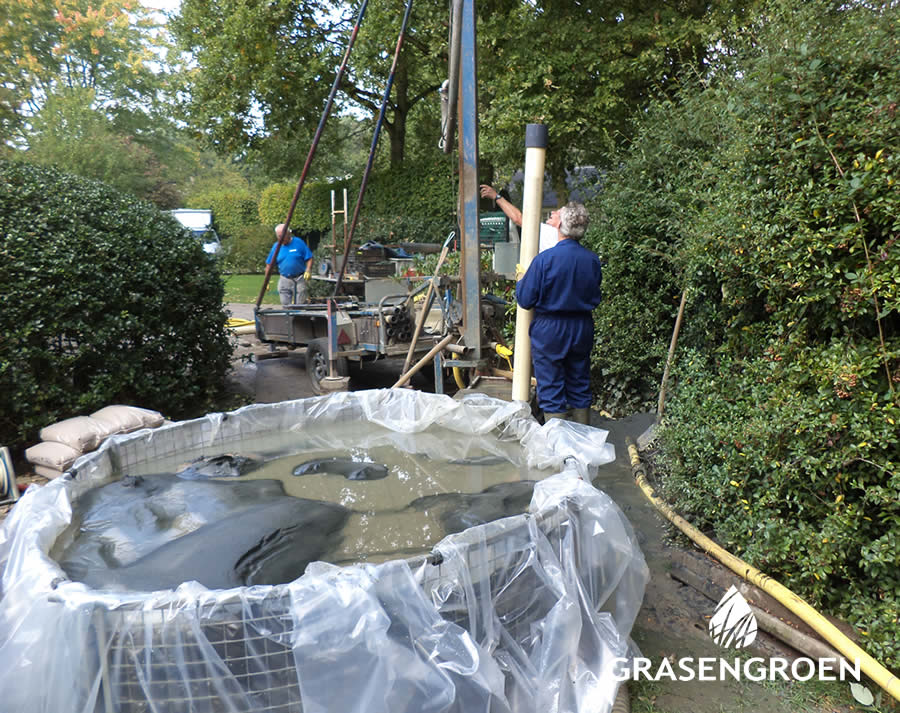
x=769 y=192
x=106 y=300
x=412 y=203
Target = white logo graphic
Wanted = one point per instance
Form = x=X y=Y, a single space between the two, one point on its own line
x=733 y=624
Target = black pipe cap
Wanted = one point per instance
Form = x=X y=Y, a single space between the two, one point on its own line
x=535 y=136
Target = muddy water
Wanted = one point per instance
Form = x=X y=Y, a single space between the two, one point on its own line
x=401 y=514
x=152 y=529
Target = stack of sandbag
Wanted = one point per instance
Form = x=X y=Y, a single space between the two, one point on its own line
x=62 y=442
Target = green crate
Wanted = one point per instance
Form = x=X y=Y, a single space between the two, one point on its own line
x=493 y=228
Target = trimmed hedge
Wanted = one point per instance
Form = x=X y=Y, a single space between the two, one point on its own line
x=106 y=300
x=233 y=210
x=411 y=203
x=246 y=251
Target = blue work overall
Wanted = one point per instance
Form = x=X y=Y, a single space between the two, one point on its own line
x=562 y=286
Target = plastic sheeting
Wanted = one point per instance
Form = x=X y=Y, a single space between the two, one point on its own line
x=521 y=614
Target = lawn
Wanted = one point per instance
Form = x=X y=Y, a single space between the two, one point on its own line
x=245 y=289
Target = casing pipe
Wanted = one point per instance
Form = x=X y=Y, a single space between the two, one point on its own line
x=535 y=156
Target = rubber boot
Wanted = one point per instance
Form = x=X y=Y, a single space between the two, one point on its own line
x=582 y=415
x=548 y=416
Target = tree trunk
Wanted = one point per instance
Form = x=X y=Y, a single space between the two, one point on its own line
x=397 y=128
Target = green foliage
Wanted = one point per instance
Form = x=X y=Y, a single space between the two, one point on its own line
x=274 y=63
x=70 y=134
x=106 y=300
x=793 y=460
x=246 y=251
x=596 y=64
x=768 y=192
x=234 y=210
x=412 y=203
x=640 y=221
x=107 y=46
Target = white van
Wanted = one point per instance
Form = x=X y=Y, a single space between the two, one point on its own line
x=199 y=222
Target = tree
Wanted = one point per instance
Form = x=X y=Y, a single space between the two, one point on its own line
x=107 y=46
x=73 y=136
x=584 y=69
x=259 y=71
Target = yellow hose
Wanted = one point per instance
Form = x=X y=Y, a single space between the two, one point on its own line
x=458 y=378
x=874 y=670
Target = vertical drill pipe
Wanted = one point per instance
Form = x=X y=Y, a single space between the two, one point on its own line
x=535 y=156
x=332 y=336
x=669 y=359
x=470 y=261
x=312 y=149
x=365 y=179
x=453 y=77
x=344 y=233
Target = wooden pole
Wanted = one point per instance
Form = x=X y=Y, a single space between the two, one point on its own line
x=670 y=358
x=423 y=361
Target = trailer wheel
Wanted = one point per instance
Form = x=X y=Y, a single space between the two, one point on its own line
x=317 y=364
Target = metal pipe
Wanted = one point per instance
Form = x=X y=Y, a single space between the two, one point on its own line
x=331 y=339
x=470 y=254
x=312 y=149
x=535 y=156
x=452 y=78
x=423 y=361
x=365 y=178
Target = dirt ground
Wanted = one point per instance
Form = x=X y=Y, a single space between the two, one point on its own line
x=673 y=620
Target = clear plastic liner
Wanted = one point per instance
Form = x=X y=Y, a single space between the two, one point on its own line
x=521 y=614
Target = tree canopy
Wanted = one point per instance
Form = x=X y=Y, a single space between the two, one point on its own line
x=107 y=46
x=261 y=70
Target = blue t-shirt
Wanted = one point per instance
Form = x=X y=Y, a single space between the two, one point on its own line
x=566 y=278
x=291 y=258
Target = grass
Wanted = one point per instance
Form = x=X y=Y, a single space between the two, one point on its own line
x=245 y=289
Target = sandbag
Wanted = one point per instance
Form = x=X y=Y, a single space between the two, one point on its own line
x=53 y=455
x=82 y=433
x=125 y=419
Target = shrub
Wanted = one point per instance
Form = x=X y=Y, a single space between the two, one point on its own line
x=411 y=203
x=312 y=212
x=246 y=251
x=777 y=211
x=791 y=458
x=233 y=210
x=106 y=300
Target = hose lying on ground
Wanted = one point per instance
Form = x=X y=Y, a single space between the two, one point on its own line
x=828 y=631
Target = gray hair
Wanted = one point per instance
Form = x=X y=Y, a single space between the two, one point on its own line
x=279 y=228
x=573 y=220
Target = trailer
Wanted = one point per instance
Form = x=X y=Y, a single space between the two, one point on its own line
x=338 y=331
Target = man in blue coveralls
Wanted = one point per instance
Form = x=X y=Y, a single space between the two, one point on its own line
x=294 y=266
x=562 y=286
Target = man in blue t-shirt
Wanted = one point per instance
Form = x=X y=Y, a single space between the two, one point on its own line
x=562 y=286
x=294 y=266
